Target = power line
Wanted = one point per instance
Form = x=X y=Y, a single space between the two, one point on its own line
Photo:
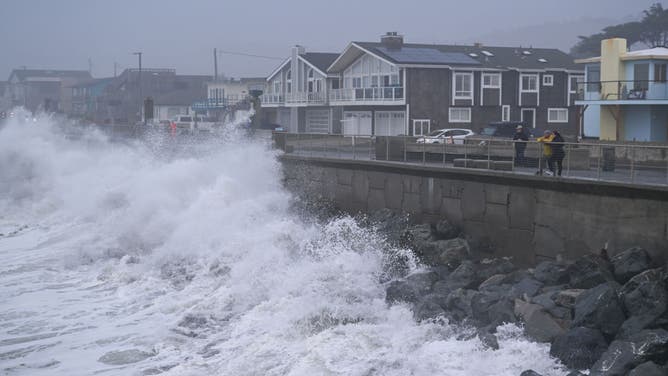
x=250 y=55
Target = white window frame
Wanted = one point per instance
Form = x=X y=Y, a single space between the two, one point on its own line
x=483 y=86
x=532 y=75
x=450 y=118
x=421 y=122
x=553 y=110
x=505 y=112
x=455 y=97
x=548 y=80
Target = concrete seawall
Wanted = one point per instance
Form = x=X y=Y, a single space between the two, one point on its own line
x=526 y=217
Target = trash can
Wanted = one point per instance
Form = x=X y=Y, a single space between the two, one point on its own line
x=608 y=157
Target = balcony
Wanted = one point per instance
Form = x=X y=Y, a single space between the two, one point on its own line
x=622 y=92
x=302 y=98
x=272 y=100
x=370 y=95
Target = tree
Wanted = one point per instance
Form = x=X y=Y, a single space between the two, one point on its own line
x=652 y=31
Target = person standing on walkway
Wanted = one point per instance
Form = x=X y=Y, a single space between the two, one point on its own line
x=520 y=141
x=547 y=153
x=558 y=154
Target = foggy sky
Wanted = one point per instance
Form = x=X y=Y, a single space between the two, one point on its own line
x=180 y=34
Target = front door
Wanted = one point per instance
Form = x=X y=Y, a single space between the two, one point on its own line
x=529 y=117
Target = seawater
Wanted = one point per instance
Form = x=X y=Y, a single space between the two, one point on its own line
x=181 y=257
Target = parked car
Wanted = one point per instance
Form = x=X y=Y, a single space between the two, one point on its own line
x=502 y=129
x=447 y=136
x=193 y=123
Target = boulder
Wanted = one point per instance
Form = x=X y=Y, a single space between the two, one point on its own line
x=629 y=263
x=446 y=230
x=417 y=237
x=546 y=300
x=634 y=324
x=589 y=271
x=530 y=372
x=492 y=282
x=645 y=294
x=410 y=289
x=391 y=224
x=451 y=252
x=492 y=308
x=599 y=308
x=430 y=307
x=579 y=348
x=465 y=276
x=625 y=355
x=490 y=267
x=649 y=369
x=488 y=340
x=551 y=273
x=458 y=304
x=567 y=298
x=543 y=327
x=527 y=287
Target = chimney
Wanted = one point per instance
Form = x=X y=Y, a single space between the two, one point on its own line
x=477 y=45
x=392 y=39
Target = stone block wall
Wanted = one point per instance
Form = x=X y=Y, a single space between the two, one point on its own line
x=526 y=217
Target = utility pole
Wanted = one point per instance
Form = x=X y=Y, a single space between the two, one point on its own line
x=115 y=68
x=215 y=65
x=141 y=98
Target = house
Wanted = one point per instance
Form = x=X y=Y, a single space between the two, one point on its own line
x=625 y=94
x=43 y=90
x=4 y=102
x=179 y=101
x=86 y=97
x=296 y=93
x=234 y=90
x=391 y=87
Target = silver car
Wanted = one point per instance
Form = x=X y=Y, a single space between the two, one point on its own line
x=448 y=136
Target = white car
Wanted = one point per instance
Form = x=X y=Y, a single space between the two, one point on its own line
x=448 y=136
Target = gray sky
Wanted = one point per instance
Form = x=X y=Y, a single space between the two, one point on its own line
x=64 y=34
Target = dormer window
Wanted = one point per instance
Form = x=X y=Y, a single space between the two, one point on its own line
x=548 y=80
x=487 y=53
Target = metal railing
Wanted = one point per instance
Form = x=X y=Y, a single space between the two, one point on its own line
x=622 y=90
x=635 y=164
x=306 y=97
x=272 y=99
x=368 y=94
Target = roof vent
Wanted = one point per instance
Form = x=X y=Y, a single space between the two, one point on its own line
x=542 y=60
x=487 y=53
x=473 y=54
x=525 y=52
x=392 y=39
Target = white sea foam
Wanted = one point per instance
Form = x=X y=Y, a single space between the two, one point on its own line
x=152 y=258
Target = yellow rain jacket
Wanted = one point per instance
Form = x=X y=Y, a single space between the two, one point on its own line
x=547 y=149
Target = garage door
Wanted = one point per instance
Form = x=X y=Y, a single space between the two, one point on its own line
x=390 y=123
x=317 y=121
x=357 y=123
x=283 y=118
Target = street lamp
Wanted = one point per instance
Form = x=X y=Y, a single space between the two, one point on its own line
x=141 y=98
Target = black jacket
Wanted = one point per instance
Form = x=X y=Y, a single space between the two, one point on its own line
x=557 y=145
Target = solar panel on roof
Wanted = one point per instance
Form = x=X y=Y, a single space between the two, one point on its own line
x=426 y=56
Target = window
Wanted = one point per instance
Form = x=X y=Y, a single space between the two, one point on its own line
x=421 y=127
x=575 y=83
x=660 y=72
x=460 y=115
x=368 y=72
x=548 y=80
x=593 y=79
x=529 y=83
x=288 y=81
x=491 y=80
x=505 y=113
x=557 y=115
x=277 y=87
x=463 y=86
x=640 y=76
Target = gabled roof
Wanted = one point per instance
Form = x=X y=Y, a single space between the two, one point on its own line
x=94 y=82
x=318 y=60
x=480 y=57
x=23 y=74
x=656 y=53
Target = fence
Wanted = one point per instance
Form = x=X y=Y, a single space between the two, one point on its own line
x=636 y=164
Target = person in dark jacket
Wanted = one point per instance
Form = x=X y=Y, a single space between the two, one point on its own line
x=520 y=140
x=557 y=158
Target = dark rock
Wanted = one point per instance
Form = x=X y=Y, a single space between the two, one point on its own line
x=635 y=324
x=490 y=267
x=530 y=372
x=443 y=287
x=442 y=271
x=488 y=340
x=410 y=289
x=459 y=303
x=551 y=273
x=502 y=312
x=589 y=271
x=391 y=224
x=480 y=305
x=629 y=263
x=543 y=327
x=464 y=276
x=527 y=287
x=451 y=253
x=430 y=307
x=567 y=298
x=492 y=282
x=623 y=356
x=599 y=308
x=546 y=301
x=645 y=294
x=575 y=373
x=579 y=348
x=649 y=369
x=446 y=230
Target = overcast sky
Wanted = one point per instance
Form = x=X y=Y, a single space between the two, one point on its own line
x=65 y=34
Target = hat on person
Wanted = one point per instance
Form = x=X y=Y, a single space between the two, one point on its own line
x=547 y=131
x=519 y=127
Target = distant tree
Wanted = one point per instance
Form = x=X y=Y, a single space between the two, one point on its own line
x=652 y=31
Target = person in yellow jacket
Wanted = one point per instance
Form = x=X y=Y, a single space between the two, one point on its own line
x=548 y=136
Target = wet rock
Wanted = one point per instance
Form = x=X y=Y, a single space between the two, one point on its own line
x=464 y=276
x=579 y=348
x=459 y=303
x=543 y=327
x=451 y=253
x=649 y=369
x=443 y=287
x=446 y=230
x=527 y=287
x=502 y=312
x=416 y=236
x=389 y=223
x=567 y=298
x=490 y=267
x=410 y=289
x=546 y=301
x=635 y=324
x=117 y=358
x=480 y=305
x=629 y=263
x=530 y=372
x=430 y=307
x=488 y=340
x=645 y=294
x=551 y=273
x=492 y=282
x=623 y=356
x=599 y=308
x=589 y=271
